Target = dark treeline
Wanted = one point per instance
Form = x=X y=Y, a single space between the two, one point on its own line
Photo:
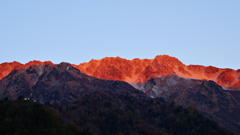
x=108 y=113
x=24 y=117
x=104 y=113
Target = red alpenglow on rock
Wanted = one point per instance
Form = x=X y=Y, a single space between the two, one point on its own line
x=6 y=68
x=138 y=71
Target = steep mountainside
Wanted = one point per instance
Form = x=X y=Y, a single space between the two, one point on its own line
x=55 y=84
x=6 y=68
x=205 y=96
x=101 y=101
x=138 y=71
x=190 y=86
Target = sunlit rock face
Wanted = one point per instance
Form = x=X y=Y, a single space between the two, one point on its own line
x=139 y=71
x=7 y=67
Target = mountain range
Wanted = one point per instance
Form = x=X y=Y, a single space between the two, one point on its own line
x=213 y=91
x=138 y=71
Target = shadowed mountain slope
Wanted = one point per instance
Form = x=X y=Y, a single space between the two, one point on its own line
x=55 y=84
x=205 y=96
x=110 y=113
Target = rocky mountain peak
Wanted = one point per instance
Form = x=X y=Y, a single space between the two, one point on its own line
x=138 y=71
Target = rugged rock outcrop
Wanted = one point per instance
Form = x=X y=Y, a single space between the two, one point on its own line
x=56 y=84
x=206 y=96
x=138 y=71
x=7 y=67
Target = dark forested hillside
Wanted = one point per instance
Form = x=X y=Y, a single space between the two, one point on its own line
x=104 y=113
x=108 y=113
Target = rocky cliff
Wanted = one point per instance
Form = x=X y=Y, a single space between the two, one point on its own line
x=138 y=71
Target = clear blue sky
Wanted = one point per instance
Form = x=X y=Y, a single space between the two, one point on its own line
x=204 y=32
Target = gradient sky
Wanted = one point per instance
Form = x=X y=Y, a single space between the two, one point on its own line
x=203 y=32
